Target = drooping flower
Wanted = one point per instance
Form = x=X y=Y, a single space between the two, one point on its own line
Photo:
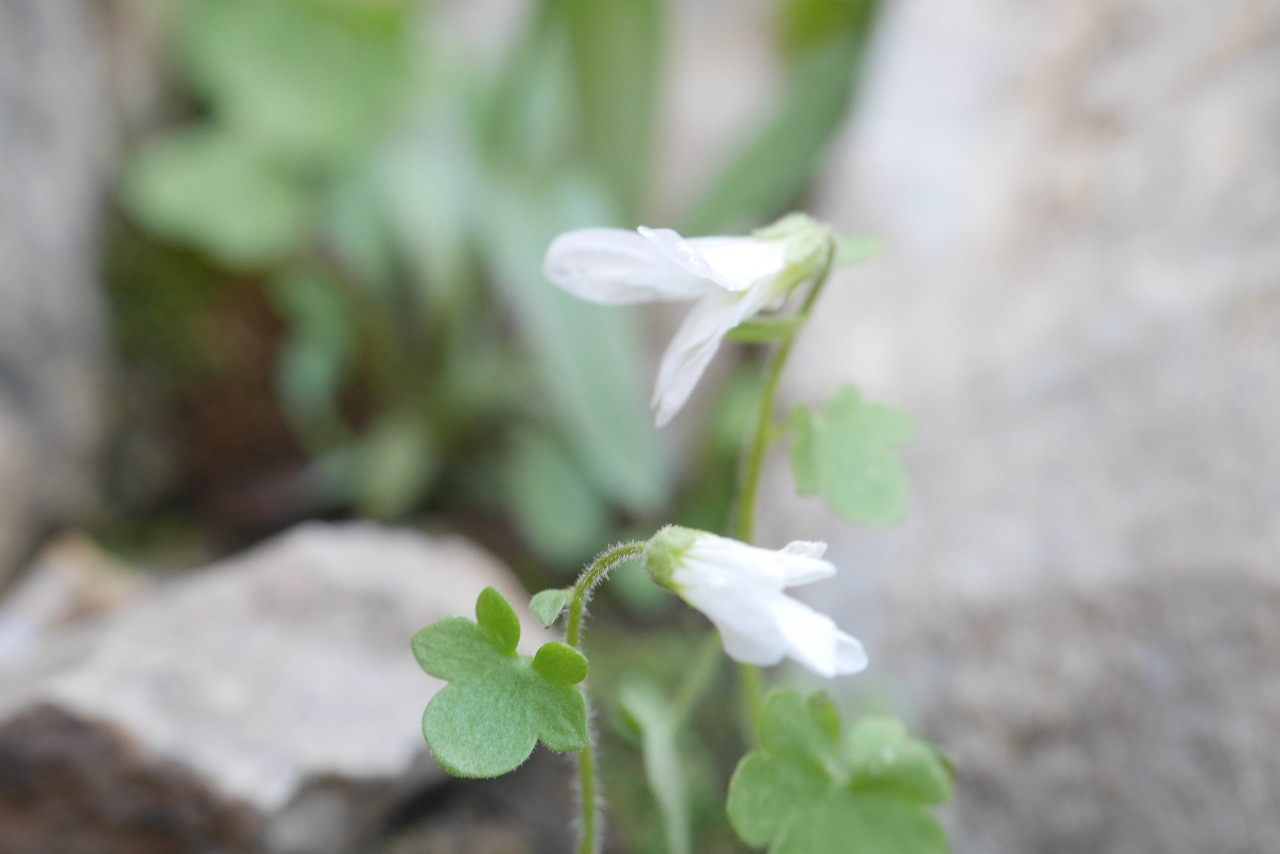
x=732 y=278
x=740 y=588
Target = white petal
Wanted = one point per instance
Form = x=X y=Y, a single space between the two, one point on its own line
x=738 y=562
x=619 y=267
x=733 y=263
x=805 y=548
x=762 y=650
x=801 y=562
x=691 y=350
x=696 y=342
x=810 y=637
x=743 y=618
x=850 y=656
x=743 y=260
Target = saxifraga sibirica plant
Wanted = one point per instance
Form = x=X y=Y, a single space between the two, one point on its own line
x=808 y=786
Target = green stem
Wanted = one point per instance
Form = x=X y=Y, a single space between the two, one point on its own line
x=589 y=842
x=590 y=578
x=751 y=679
x=754 y=453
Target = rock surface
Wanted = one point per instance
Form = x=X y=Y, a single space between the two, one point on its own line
x=1081 y=306
x=54 y=135
x=70 y=581
x=271 y=699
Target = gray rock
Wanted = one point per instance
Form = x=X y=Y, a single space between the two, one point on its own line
x=1081 y=306
x=272 y=698
x=70 y=581
x=54 y=137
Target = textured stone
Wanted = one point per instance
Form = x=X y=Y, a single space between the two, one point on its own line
x=54 y=135
x=1080 y=303
x=272 y=697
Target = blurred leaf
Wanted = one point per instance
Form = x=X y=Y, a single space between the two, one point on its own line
x=208 y=189
x=358 y=229
x=712 y=478
x=616 y=51
x=588 y=355
x=316 y=353
x=428 y=181
x=309 y=80
x=649 y=715
x=557 y=509
x=804 y=25
x=848 y=454
x=397 y=463
x=801 y=793
x=528 y=121
x=774 y=168
x=498 y=704
x=804 y=459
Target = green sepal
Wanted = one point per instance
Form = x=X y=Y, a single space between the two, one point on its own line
x=498 y=704
x=548 y=605
x=847 y=453
x=804 y=792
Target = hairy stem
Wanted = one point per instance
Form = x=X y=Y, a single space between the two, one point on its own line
x=590 y=578
x=587 y=582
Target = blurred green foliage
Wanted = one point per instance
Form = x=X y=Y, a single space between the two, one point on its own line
x=391 y=196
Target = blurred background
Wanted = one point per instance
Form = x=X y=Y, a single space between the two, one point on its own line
x=281 y=382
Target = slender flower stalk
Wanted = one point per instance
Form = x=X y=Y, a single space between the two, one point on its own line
x=589 y=801
x=754 y=452
x=752 y=466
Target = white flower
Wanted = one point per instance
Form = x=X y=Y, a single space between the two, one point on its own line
x=733 y=278
x=740 y=588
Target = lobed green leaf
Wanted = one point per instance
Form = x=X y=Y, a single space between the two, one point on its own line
x=803 y=793
x=847 y=453
x=884 y=757
x=498 y=704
